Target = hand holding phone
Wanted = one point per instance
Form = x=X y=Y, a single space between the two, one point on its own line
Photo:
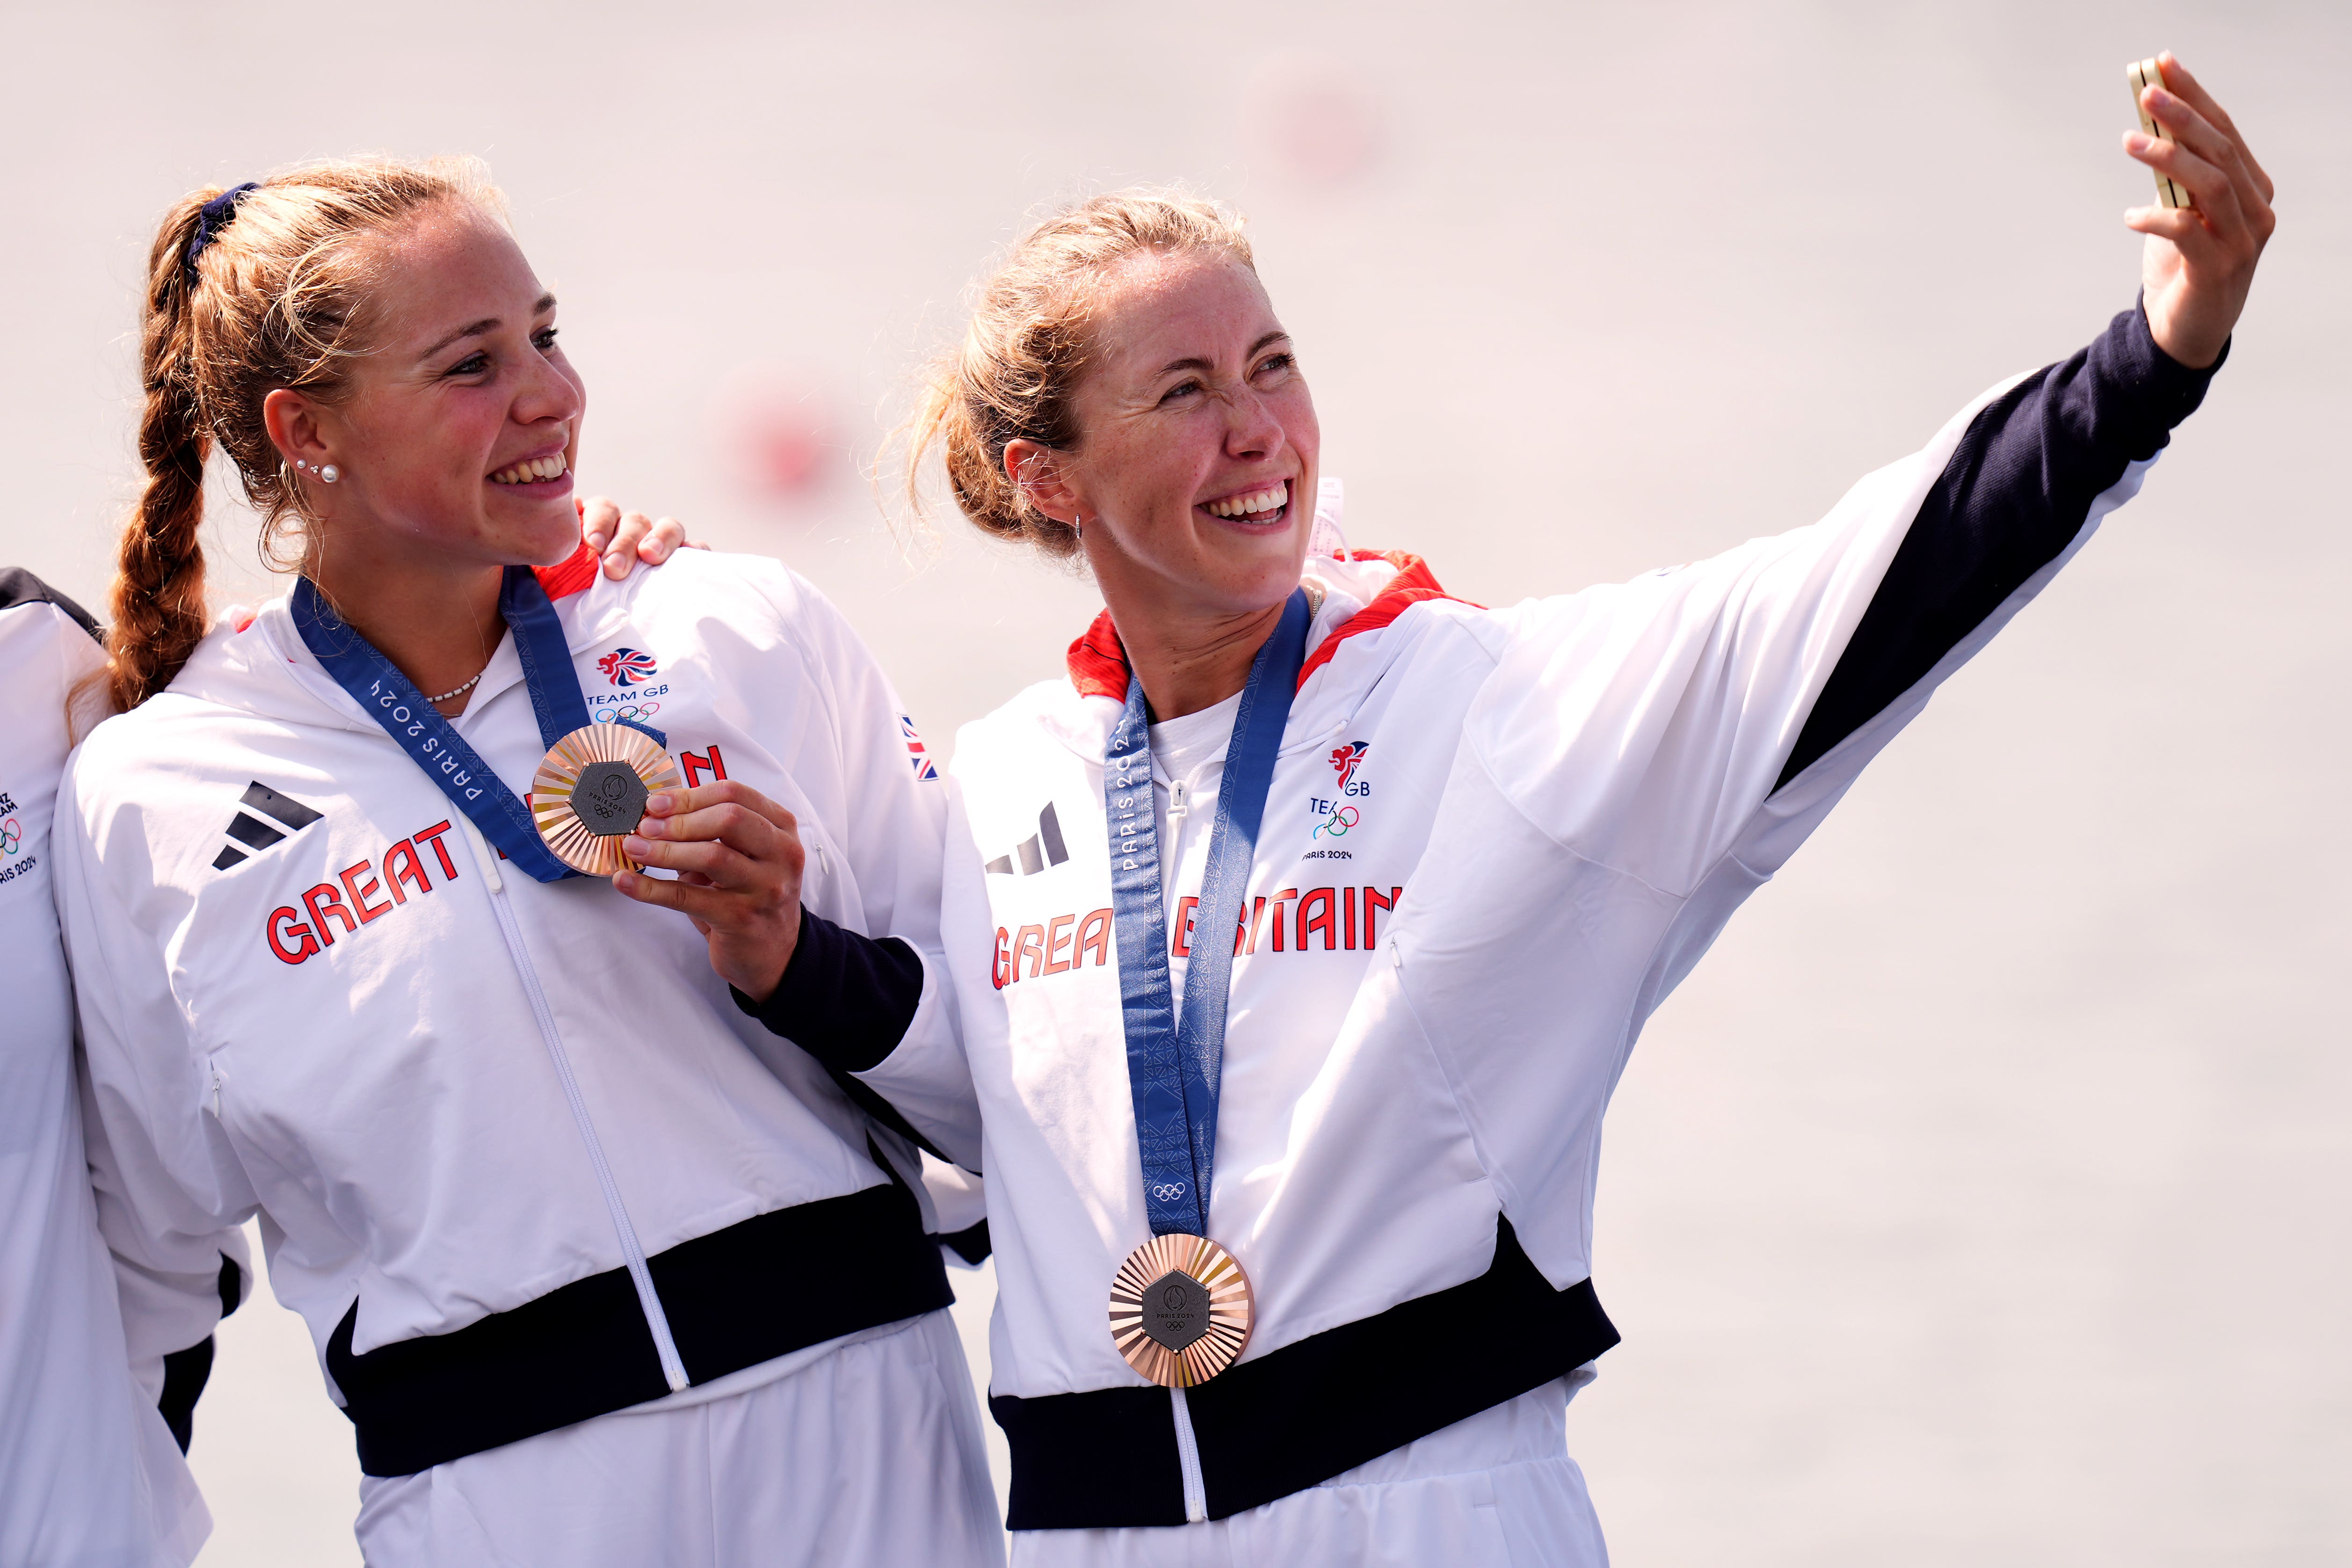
x=2146 y=74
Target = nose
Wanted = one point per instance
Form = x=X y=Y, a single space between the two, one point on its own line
x=1252 y=431
x=547 y=392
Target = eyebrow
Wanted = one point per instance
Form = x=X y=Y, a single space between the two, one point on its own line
x=490 y=324
x=1196 y=362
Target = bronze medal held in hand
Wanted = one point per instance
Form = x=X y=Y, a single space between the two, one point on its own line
x=1181 y=1310
x=590 y=790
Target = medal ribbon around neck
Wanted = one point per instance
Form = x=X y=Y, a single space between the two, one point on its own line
x=1175 y=1068
x=376 y=684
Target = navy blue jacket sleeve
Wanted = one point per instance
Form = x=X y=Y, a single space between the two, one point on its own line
x=186 y=1372
x=846 y=1000
x=2017 y=490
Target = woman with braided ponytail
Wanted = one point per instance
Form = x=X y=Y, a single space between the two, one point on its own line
x=611 y=1245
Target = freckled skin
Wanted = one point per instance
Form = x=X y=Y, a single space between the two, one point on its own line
x=416 y=536
x=1191 y=394
x=423 y=428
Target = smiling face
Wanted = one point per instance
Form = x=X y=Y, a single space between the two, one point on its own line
x=1195 y=470
x=455 y=437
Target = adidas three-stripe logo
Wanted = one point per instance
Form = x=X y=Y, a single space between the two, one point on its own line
x=254 y=832
x=1037 y=853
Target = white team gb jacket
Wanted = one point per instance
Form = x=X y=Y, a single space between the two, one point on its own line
x=1494 y=841
x=518 y=1157
x=90 y=1476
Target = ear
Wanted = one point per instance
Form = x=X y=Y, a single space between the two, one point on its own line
x=1039 y=472
x=293 y=423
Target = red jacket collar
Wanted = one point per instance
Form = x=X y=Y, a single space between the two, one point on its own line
x=568 y=576
x=1098 y=661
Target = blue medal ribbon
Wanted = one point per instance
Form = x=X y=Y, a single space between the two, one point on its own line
x=376 y=684
x=1175 y=1068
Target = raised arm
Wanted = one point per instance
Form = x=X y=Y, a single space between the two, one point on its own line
x=2014 y=494
x=2028 y=473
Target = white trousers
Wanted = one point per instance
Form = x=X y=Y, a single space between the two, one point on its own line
x=869 y=1451
x=1497 y=1491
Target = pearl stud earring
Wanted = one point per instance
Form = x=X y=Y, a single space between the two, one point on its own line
x=330 y=474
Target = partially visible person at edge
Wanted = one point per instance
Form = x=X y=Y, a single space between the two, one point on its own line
x=90 y=1467
x=576 y=1238
x=1486 y=844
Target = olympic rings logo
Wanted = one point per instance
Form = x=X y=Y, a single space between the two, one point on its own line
x=12 y=835
x=1338 y=823
x=634 y=711
x=1167 y=1191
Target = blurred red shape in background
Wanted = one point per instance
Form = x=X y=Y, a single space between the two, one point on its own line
x=783 y=439
x=1325 y=124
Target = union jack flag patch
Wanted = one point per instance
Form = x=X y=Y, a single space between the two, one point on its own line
x=915 y=753
x=628 y=665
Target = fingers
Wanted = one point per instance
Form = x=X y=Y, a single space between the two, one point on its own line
x=621 y=555
x=731 y=849
x=665 y=809
x=2177 y=76
x=706 y=907
x=598 y=517
x=2215 y=191
x=713 y=864
x=667 y=536
x=2216 y=149
x=726 y=834
x=624 y=538
x=2180 y=224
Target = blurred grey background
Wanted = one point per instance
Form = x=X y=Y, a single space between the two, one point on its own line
x=1983 y=1197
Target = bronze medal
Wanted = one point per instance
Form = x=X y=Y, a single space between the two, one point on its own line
x=591 y=789
x=1181 y=1310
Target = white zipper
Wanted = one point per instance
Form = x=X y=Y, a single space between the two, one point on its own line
x=673 y=1367
x=1188 y=1459
x=1177 y=789
x=484 y=856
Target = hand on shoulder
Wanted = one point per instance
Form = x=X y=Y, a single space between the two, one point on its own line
x=626 y=538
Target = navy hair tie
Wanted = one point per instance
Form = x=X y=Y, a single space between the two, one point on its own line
x=210 y=218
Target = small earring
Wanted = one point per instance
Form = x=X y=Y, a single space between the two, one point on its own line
x=330 y=474
x=1078 y=523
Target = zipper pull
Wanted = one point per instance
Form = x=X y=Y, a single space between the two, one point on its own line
x=216 y=1091
x=1176 y=792
x=1395 y=957
x=484 y=856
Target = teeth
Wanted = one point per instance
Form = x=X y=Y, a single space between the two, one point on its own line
x=524 y=473
x=1260 y=500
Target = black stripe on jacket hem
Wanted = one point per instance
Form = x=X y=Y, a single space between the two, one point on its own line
x=772 y=1285
x=1293 y=1419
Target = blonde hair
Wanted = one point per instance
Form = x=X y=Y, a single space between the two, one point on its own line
x=1013 y=377
x=273 y=298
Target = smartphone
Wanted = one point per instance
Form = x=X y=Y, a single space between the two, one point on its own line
x=2143 y=75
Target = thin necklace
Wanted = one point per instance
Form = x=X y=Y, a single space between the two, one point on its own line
x=458 y=690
